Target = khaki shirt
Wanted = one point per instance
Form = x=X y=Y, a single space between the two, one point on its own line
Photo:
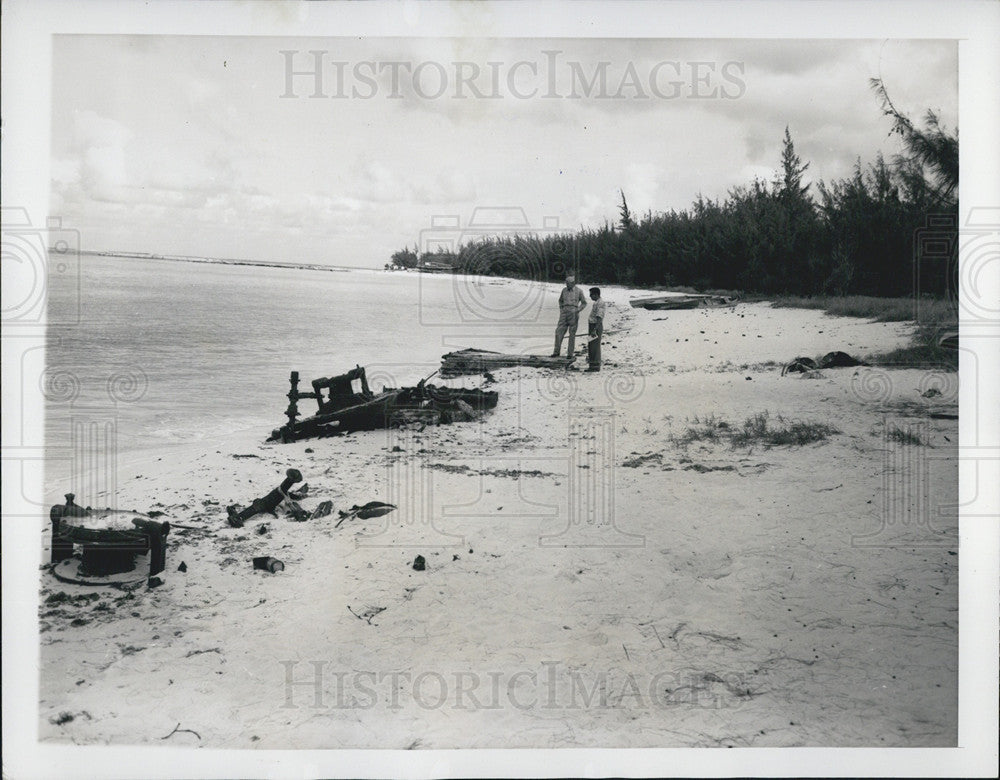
x=570 y=298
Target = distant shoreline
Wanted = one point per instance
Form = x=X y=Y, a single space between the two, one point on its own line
x=227 y=261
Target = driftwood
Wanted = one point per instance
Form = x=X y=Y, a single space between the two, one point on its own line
x=179 y=730
x=478 y=361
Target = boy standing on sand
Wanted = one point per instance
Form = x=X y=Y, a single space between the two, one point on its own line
x=571 y=303
x=595 y=329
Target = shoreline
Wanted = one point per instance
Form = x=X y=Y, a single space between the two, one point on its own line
x=575 y=525
x=221 y=261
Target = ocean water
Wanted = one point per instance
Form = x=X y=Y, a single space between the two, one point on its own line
x=169 y=352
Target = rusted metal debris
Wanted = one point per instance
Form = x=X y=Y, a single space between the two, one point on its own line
x=270 y=502
x=104 y=552
x=342 y=409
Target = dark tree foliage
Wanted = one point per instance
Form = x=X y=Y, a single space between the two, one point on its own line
x=931 y=149
x=625 y=219
x=855 y=238
x=404 y=258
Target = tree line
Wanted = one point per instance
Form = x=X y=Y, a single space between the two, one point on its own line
x=851 y=236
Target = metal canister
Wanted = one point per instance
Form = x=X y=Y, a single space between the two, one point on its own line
x=267 y=563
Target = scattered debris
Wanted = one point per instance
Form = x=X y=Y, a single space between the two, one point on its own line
x=641 y=460
x=179 y=730
x=839 y=360
x=419 y=564
x=369 y=510
x=703 y=469
x=325 y=508
x=799 y=365
x=183 y=567
x=368 y=614
x=270 y=502
x=829 y=360
x=267 y=563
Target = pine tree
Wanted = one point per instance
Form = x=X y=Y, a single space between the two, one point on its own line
x=626 y=220
x=790 y=184
x=933 y=147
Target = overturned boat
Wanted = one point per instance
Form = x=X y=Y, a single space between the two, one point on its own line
x=666 y=302
x=344 y=409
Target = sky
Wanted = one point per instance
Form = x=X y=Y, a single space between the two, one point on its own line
x=231 y=147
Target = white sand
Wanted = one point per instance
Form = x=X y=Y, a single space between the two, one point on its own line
x=766 y=597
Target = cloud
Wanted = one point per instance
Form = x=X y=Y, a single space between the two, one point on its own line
x=91 y=130
x=379 y=183
x=192 y=147
x=594 y=210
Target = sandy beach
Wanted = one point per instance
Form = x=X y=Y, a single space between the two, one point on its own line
x=596 y=575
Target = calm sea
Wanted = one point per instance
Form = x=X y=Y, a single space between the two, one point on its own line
x=172 y=352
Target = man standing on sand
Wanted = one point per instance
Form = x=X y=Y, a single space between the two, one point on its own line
x=571 y=303
x=595 y=329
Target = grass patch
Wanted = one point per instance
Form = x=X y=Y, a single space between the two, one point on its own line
x=903 y=436
x=759 y=430
x=931 y=316
x=922 y=351
x=710 y=429
x=936 y=310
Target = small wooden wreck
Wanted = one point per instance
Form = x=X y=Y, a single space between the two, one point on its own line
x=343 y=409
x=667 y=302
x=476 y=361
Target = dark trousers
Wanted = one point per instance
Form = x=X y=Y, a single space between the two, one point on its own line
x=594 y=345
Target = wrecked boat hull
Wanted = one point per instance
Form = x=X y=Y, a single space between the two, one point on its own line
x=671 y=302
x=476 y=361
x=425 y=404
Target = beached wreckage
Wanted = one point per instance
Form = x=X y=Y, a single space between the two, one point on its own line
x=476 y=361
x=666 y=302
x=804 y=365
x=88 y=549
x=342 y=408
